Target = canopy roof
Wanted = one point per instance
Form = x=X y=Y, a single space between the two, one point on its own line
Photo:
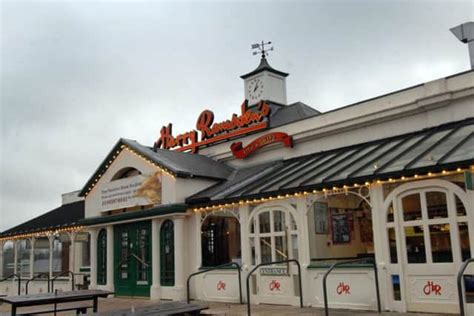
x=429 y=150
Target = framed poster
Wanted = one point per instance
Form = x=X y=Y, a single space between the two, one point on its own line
x=341 y=227
x=320 y=217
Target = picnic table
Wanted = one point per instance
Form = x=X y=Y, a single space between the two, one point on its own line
x=171 y=308
x=56 y=298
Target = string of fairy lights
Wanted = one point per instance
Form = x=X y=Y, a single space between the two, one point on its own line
x=328 y=190
x=222 y=206
x=136 y=153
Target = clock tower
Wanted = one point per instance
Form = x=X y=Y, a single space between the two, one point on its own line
x=265 y=83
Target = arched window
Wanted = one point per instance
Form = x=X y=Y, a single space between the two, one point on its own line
x=102 y=257
x=220 y=240
x=167 y=254
x=126 y=173
x=8 y=258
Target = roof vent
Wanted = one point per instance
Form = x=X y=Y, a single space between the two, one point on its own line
x=465 y=33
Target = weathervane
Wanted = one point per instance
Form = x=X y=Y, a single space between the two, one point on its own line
x=261 y=48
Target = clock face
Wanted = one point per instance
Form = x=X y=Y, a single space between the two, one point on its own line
x=255 y=89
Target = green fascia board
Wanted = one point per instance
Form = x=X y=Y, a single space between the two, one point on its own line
x=156 y=211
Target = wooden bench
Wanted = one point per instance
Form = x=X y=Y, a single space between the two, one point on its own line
x=171 y=308
x=79 y=310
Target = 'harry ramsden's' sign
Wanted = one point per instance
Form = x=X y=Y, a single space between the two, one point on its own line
x=210 y=132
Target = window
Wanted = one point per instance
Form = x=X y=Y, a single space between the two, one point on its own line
x=61 y=245
x=24 y=249
x=411 y=207
x=102 y=257
x=41 y=259
x=167 y=253
x=415 y=243
x=8 y=258
x=220 y=240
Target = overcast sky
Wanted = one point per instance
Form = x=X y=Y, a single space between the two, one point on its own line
x=78 y=75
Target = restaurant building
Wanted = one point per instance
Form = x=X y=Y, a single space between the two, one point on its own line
x=389 y=178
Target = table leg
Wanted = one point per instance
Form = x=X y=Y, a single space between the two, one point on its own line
x=94 y=308
x=13 y=310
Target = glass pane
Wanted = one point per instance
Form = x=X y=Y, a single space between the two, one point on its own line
x=392 y=245
x=266 y=249
x=441 y=243
x=252 y=250
x=252 y=226
x=436 y=204
x=264 y=219
x=294 y=245
x=469 y=288
x=390 y=213
x=464 y=241
x=293 y=223
x=460 y=209
x=124 y=255
x=281 y=249
x=397 y=296
x=415 y=244
x=278 y=221
x=142 y=260
x=411 y=207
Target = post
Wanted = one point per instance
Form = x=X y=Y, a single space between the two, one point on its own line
x=15 y=256
x=72 y=254
x=110 y=258
x=155 y=290
x=2 y=244
x=51 y=244
x=93 y=233
x=178 y=256
x=32 y=256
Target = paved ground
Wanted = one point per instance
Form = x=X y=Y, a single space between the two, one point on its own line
x=112 y=304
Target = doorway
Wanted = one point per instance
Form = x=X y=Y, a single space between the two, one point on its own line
x=132 y=263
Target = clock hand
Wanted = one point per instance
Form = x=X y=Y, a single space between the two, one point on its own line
x=256 y=87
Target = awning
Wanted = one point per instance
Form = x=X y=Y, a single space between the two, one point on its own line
x=430 y=150
x=136 y=215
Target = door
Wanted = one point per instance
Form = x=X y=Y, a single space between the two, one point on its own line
x=428 y=238
x=274 y=237
x=133 y=259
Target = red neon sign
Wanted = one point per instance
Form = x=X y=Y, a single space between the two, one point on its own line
x=243 y=152
x=210 y=132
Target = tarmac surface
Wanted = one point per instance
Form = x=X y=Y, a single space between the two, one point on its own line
x=114 y=304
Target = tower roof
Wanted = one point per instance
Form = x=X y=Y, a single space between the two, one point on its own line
x=262 y=67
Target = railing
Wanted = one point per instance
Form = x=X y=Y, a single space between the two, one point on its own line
x=268 y=264
x=73 y=276
x=37 y=276
x=11 y=276
x=364 y=260
x=460 y=291
x=229 y=264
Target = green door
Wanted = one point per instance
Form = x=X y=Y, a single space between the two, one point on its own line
x=132 y=259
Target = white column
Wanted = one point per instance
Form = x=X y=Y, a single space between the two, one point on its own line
x=470 y=216
x=72 y=252
x=32 y=256
x=155 y=290
x=179 y=257
x=110 y=258
x=378 y=228
x=15 y=256
x=93 y=233
x=303 y=235
x=2 y=244
x=51 y=244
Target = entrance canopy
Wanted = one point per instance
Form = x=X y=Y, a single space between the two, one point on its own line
x=445 y=147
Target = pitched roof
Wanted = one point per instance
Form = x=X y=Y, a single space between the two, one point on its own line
x=183 y=165
x=264 y=65
x=428 y=150
x=64 y=216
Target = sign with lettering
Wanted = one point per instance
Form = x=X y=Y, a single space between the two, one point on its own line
x=243 y=152
x=220 y=285
x=432 y=288
x=343 y=288
x=133 y=191
x=274 y=271
x=208 y=132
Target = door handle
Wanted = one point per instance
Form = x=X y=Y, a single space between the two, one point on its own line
x=140 y=260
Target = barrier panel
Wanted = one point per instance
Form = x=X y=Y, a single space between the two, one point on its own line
x=11 y=276
x=73 y=276
x=37 y=276
x=269 y=264
x=229 y=264
x=364 y=260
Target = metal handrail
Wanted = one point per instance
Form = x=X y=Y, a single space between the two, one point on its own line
x=229 y=264
x=37 y=276
x=73 y=276
x=11 y=276
x=367 y=260
x=269 y=264
x=460 y=288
